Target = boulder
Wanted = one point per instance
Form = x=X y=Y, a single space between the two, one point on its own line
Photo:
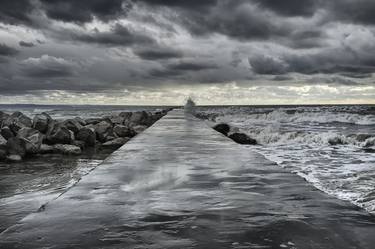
x=16 y=121
x=79 y=143
x=25 y=132
x=139 y=128
x=32 y=139
x=16 y=146
x=87 y=135
x=3 y=141
x=140 y=118
x=73 y=125
x=123 y=131
x=242 y=138
x=20 y=117
x=114 y=119
x=80 y=121
x=3 y=154
x=45 y=149
x=59 y=134
x=93 y=121
x=126 y=115
x=14 y=158
x=67 y=149
x=222 y=128
x=3 y=116
x=103 y=130
x=41 y=121
x=115 y=143
x=6 y=132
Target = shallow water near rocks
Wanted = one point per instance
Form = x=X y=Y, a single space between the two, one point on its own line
x=27 y=186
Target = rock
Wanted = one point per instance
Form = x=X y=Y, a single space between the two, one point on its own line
x=3 y=154
x=103 y=130
x=116 y=119
x=126 y=115
x=6 y=132
x=93 y=121
x=87 y=135
x=139 y=128
x=115 y=143
x=222 y=128
x=25 y=132
x=25 y=120
x=242 y=138
x=73 y=125
x=14 y=158
x=32 y=139
x=79 y=143
x=45 y=149
x=16 y=121
x=16 y=146
x=123 y=131
x=140 y=118
x=67 y=149
x=80 y=121
x=3 y=141
x=41 y=121
x=3 y=116
x=59 y=134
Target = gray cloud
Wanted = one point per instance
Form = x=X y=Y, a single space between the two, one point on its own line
x=6 y=50
x=48 y=67
x=26 y=44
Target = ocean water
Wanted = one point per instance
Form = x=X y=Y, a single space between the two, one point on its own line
x=332 y=147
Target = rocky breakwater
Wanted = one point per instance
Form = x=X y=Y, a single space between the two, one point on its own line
x=234 y=134
x=21 y=136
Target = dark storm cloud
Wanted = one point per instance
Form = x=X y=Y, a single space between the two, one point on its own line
x=290 y=7
x=6 y=50
x=83 y=11
x=182 y=67
x=26 y=44
x=16 y=11
x=352 y=11
x=157 y=53
x=119 y=36
x=267 y=65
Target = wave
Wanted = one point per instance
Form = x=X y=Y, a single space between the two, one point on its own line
x=284 y=116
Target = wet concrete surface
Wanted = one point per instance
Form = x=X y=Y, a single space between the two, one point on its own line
x=180 y=184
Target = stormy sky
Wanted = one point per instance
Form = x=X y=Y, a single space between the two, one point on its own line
x=161 y=51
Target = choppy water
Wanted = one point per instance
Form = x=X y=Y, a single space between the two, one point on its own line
x=333 y=147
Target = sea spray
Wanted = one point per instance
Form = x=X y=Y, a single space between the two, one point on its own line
x=190 y=107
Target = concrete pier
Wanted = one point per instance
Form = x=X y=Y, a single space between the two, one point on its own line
x=180 y=184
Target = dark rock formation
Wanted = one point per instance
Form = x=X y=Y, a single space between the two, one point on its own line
x=87 y=135
x=115 y=143
x=6 y=132
x=242 y=138
x=41 y=122
x=67 y=149
x=123 y=131
x=222 y=128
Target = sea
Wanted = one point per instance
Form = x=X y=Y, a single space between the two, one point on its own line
x=332 y=147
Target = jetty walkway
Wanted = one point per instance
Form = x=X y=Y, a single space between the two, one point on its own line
x=180 y=184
